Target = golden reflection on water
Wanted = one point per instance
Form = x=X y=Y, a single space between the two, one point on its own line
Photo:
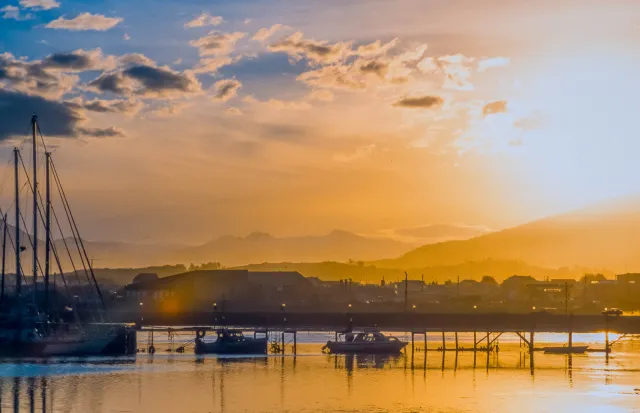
x=315 y=382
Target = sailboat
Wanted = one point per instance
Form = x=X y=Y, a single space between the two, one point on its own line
x=31 y=323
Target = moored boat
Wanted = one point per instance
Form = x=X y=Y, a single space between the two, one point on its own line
x=229 y=341
x=37 y=319
x=366 y=342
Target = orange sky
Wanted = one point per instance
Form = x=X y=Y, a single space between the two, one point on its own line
x=365 y=117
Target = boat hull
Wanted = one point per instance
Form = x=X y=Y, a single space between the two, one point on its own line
x=387 y=347
x=247 y=346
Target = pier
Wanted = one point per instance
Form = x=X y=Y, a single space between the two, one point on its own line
x=486 y=328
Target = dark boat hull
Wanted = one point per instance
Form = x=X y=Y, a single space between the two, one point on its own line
x=247 y=346
x=387 y=347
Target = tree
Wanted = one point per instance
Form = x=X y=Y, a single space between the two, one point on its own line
x=487 y=279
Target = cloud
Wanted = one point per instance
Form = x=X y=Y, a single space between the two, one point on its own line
x=147 y=81
x=531 y=122
x=316 y=52
x=213 y=64
x=265 y=33
x=111 y=132
x=362 y=152
x=40 y=4
x=334 y=76
x=491 y=62
x=226 y=89
x=217 y=43
x=85 y=21
x=170 y=109
x=13 y=12
x=375 y=48
x=57 y=118
x=156 y=79
x=233 y=111
x=78 y=61
x=205 y=19
x=33 y=77
x=376 y=67
x=498 y=106
x=321 y=95
x=456 y=69
x=419 y=102
x=125 y=106
x=111 y=82
x=279 y=104
x=134 y=59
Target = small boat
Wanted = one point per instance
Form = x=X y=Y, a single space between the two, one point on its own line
x=368 y=342
x=230 y=342
x=566 y=350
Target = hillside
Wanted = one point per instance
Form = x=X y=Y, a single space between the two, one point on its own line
x=260 y=247
x=603 y=236
x=500 y=270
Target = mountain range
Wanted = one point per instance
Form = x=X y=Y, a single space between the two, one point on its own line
x=604 y=236
x=255 y=248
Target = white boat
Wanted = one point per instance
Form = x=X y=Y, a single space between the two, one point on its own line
x=366 y=342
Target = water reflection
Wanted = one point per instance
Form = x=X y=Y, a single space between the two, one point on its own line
x=171 y=383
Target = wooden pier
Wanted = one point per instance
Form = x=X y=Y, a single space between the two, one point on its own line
x=486 y=328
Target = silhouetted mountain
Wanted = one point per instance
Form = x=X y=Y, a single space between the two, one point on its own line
x=368 y=273
x=602 y=236
x=257 y=247
x=260 y=247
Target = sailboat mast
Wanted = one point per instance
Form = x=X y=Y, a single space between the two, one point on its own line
x=17 y=202
x=4 y=255
x=34 y=125
x=47 y=230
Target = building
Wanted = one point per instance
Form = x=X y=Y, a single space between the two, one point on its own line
x=221 y=289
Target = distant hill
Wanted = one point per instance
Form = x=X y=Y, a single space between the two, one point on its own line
x=500 y=270
x=228 y=250
x=603 y=236
x=260 y=247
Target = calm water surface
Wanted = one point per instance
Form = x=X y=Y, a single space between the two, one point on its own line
x=316 y=382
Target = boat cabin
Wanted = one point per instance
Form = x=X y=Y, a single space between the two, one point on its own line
x=365 y=337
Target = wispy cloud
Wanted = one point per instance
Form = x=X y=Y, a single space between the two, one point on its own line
x=205 y=19
x=490 y=62
x=265 y=33
x=226 y=89
x=85 y=21
x=498 y=106
x=111 y=132
x=298 y=47
x=40 y=4
x=13 y=13
x=419 y=102
x=217 y=43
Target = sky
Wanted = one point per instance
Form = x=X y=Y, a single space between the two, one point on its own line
x=180 y=121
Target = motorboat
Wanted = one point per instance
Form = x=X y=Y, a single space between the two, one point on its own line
x=566 y=350
x=366 y=342
x=230 y=342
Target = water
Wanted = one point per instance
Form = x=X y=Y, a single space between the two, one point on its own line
x=316 y=382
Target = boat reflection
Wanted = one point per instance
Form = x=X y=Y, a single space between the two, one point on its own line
x=349 y=362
